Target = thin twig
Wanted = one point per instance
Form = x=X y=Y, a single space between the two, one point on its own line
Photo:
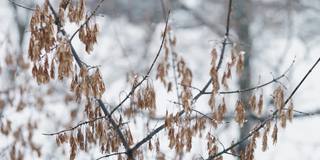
x=303 y=79
x=112 y=154
x=148 y=72
x=226 y=35
x=224 y=44
x=232 y=154
x=259 y=86
x=203 y=114
x=192 y=87
x=78 y=125
x=74 y=127
x=299 y=114
x=174 y=70
x=305 y=114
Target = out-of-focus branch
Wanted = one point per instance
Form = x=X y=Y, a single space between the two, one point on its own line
x=4 y=150
x=214 y=28
x=21 y=5
x=306 y=114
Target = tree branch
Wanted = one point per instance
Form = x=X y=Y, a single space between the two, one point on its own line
x=256 y=87
x=161 y=127
x=148 y=72
x=64 y=33
x=271 y=117
x=116 y=127
x=101 y=104
x=78 y=125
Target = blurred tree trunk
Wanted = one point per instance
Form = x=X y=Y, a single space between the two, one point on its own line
x=242 y=13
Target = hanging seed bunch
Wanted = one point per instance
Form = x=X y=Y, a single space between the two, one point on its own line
x=88 y=36
x=50 y=49
x=42 y=32
x=98 y=133
x=42 y=39
x=52 y=55
x=186 y=81
x=179 y=132
x=237 y=61
x=145 y=98
x=180 y=71
x=164 y=64
x=76 y=12
x=87 y=84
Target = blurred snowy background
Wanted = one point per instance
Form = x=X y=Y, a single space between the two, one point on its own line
x=273 y=34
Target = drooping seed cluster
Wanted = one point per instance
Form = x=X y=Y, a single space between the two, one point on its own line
x=52 y=54
x=49 y=47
